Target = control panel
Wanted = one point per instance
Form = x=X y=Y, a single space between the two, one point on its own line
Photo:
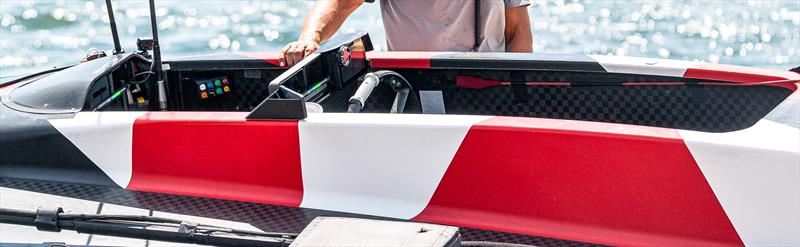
x=213 y=87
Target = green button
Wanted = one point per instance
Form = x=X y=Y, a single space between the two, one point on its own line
x=219 y=90
x=217 y=83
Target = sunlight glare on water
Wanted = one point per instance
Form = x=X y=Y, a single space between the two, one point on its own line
x=42 y=34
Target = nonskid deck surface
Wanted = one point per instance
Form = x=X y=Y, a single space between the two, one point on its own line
x=203 y=210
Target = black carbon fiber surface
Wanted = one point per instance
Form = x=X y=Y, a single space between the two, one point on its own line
x=592 y=97
x=705 y=108
x=246 y=91
x=262 y=216
x=381 y=99
x=31 y=146
x=535 y=61
x=251 y=92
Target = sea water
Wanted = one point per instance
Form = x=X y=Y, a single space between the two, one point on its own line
x=43 y=34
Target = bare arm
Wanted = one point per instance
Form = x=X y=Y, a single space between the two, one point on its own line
x=321 y=23
x=518 y=30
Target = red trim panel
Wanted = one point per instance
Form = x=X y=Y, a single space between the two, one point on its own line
x=270 y=57
x=385 y=60
x=666 y=83
x=217 y=155
x=741 y=74
x=472 y=82
x=595 y=182
x=400 y=60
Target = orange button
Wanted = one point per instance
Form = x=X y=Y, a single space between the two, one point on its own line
x=204 y=95
x=226 y=88
x=140 y=100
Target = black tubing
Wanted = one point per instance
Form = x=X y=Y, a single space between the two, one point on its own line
x=382 y=73
x=17 y=217
x=133 y=226
x=159 y=234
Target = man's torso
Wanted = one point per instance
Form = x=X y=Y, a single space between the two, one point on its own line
x=422 y=25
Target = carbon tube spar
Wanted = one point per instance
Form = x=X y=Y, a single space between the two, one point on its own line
x=141 y=227
x=161 y=90
x=113 y=23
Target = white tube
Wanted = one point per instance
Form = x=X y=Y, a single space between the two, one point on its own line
x=365 y=89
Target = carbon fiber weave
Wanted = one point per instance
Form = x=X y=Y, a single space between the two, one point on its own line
x=691 y=107
x=262 y=216
x=705 y=108
x=246 y=93
x=251 y=92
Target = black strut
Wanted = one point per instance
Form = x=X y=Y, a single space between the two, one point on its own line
x=113 y=23
x=142 y=227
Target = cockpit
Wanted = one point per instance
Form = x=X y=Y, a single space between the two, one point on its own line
x=343 y=76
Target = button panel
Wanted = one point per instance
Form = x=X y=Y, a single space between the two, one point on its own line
x=213 y=87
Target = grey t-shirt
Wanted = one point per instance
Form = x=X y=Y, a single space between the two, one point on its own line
x=444 y=25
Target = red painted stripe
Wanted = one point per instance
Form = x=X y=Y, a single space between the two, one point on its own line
x=475 y=82
x=676 y=83
x=217 y=155
x=546 y=83
x=740 y=74
x=788 y=84
x=270 y=57
x=384 y=60
x=397 y=59
x=595 y=182
x=480 y=83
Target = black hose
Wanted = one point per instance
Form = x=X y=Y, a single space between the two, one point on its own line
x=166 y=234
x=17 y=217
x=140 y=218
x=148 y=73
x=359 y=99
x=383 y=73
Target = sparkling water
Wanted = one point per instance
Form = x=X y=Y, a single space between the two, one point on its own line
x=35 y=35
